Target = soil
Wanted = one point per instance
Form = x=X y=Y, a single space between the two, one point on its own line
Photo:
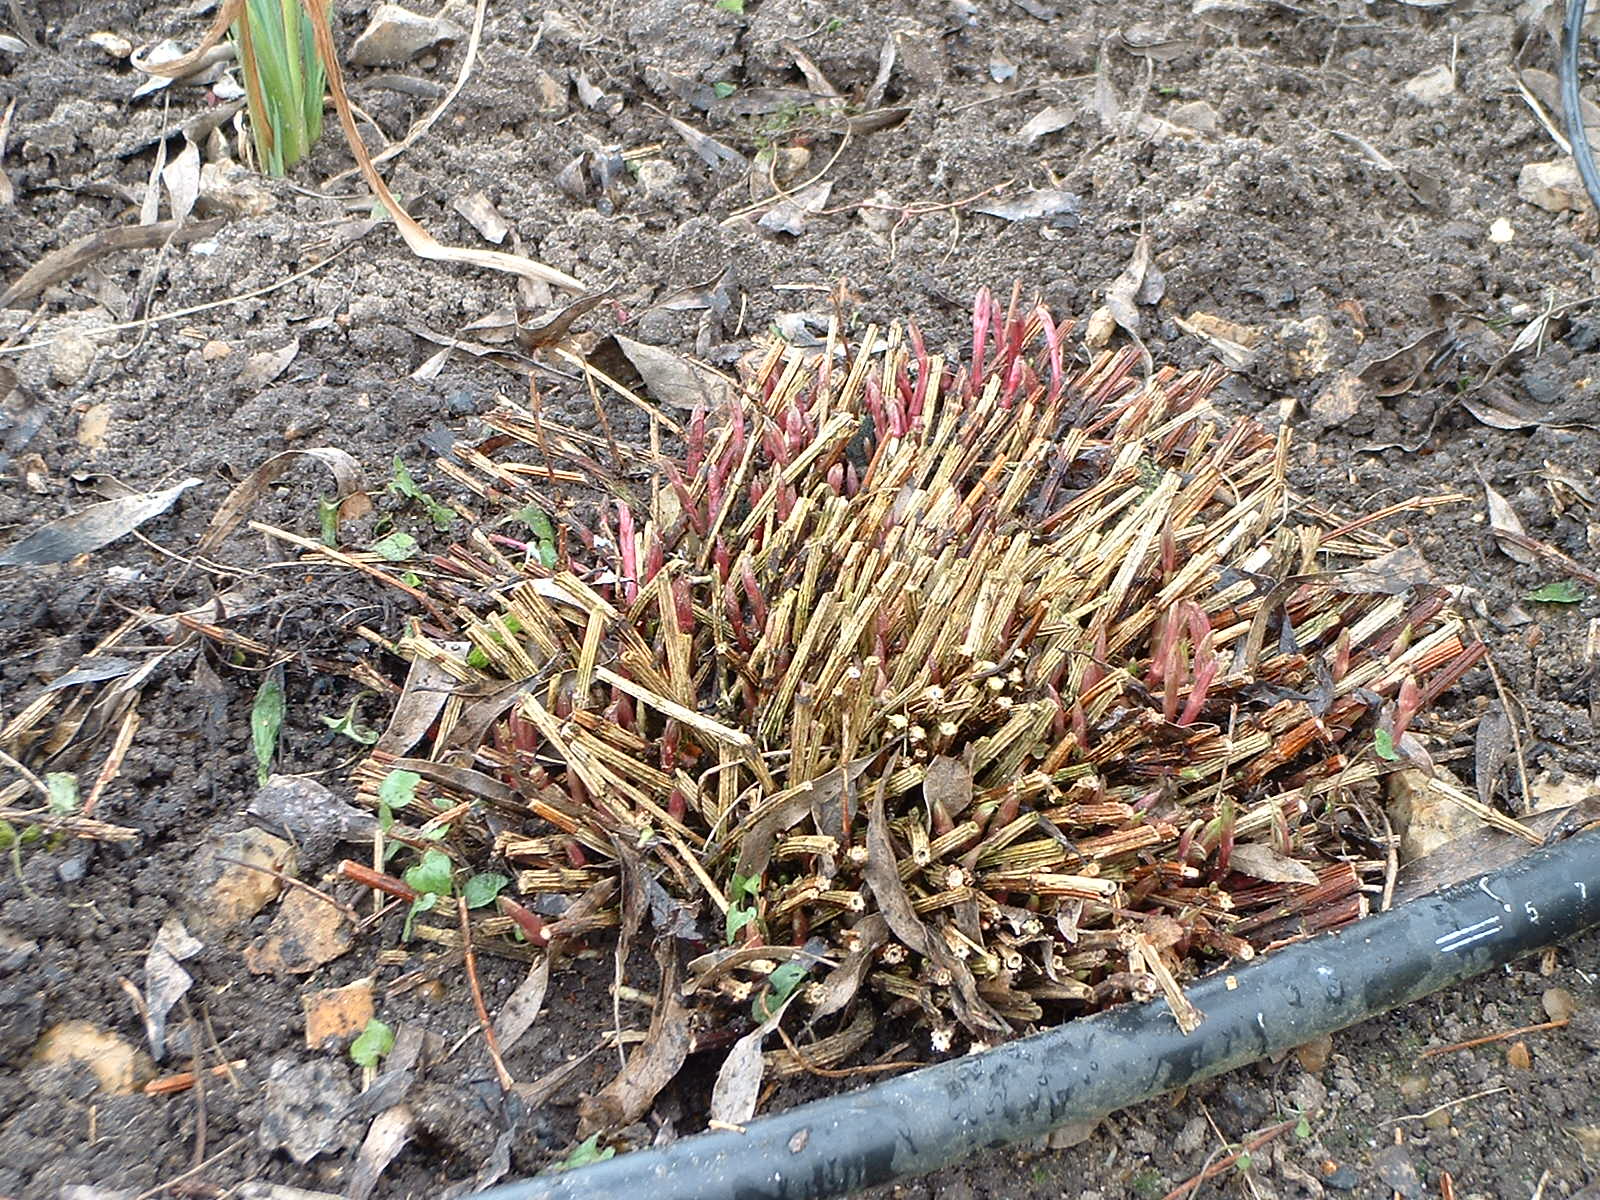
x=1336 y=179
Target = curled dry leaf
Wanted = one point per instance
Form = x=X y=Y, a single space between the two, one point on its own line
x=62 y=263
x=653 y=1063
x=263 y=368
x=1129 y=288
x=165 y=982
x=349 y=495
x=712 y=152
x=790 y=214
x=94 y=527
x=1035 y=205
x=181 y=177
x=676 y=380
x=524 y=1006
x=387 y=1136
x=1503 y=519
x=1261 y=861
x=1051 y=120
x=738 y=1085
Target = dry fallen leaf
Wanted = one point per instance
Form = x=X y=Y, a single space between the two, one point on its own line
x=165 y=982
x=93 y=527
x=524 y=1006
x=676 y=380
x=1051 y=120
x=261 y=369
x=1035 y=205
x=1503 y=519
x=181 y=177
x=349 y=495
x=790 y=214
x=1260 y=861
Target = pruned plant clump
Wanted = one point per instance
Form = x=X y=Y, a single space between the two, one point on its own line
x=983 y=693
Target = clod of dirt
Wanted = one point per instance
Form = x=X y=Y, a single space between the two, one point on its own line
x=227 y=189
x=1553 y=186
x=395 y=35
x=305 y=1109
x=1559 y=1004
x=307 y=932
x=1432 y=87
x=1423 y=818
x=117 y=1066
x=231 y=877
x=337 y=1013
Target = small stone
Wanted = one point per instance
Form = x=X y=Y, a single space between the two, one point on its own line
x=117 y=1066
x=1413 y=1087
x=1064 y=1137
x=1554 y=186
x=1197 y=115
x=215 y=351
x=1341 y=399
x=1340 y=1176
x=1308 y=1095
x=1308 y=345
x=113 y=44
x=335 y=1014
x=1559 y=1004
x=223 y=893
x=1439 y=1118
x=395 y=35
x=1313 y=1055
x=1519 y=1056
x=94 y=423
x=551 y=93
x=1423 y=818
x=227 y=189
x=307 y=932
x=1431 y=88
x=1097 y=335
x=73 y=869
x=71 y=355
x=1501 y=232
x=306 y=1109
x=659 y=178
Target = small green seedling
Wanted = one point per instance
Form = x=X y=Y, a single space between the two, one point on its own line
x=544 y=533
x=482 y=889
x=433 y=877
x=266 y=720
x=403 y=484
x=739 y=913
x=781 y=984
x=398 y=789
x=1563 y=591
x=372 y=1043
x=284 y=81
x=361 y=735
x=62 y=788
x=396 y=547
x=328 y=519
x=1383 y=743
x=588 y=1151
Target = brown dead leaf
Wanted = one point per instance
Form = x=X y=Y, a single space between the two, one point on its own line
x=948 y=783
x=524 y=1006
x=261 y=369
x=1261 y=861
x=676 y=380
x=654 y=1062
x=348 y=493
x=62 y=263
x=337 y=1013
x=738 y=1085
x=1491 y=751
x=535 y=332
x=839 y=987
x=1503 y=519
x=165 y=982
x=307 y=932
x=386 y=1137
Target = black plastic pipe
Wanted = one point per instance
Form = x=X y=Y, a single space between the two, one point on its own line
x=1086 y=1068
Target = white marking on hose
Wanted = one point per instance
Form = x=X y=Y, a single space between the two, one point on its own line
x=1459 y=939
x=1483 y=886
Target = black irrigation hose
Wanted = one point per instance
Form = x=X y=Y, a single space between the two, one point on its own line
x=1085 y=1068
x=1572 y=102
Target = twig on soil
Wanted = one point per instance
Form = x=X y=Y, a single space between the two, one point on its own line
x=353 y=916
x=113 y=763
x=489 y=1039
x=75 y=826
x=60 y=264
x=169 y=1184
x=1456 y=1103
x=118 y=326
x=1222 y=1164
x=1435 y=1051
x=182 y=1081
x=811 y=1068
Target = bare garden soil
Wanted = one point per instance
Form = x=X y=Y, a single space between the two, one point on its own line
x=1324 y=184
